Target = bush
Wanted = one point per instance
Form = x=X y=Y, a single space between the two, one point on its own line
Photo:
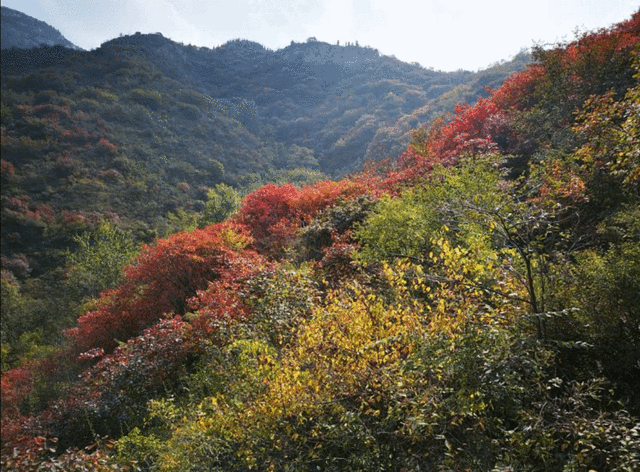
x=148 y=98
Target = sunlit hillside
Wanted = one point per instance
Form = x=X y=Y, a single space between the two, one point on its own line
x=471 y=303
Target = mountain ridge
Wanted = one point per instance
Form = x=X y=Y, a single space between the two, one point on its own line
x=23 y=31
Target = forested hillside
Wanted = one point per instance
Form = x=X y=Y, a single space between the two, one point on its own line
x=472 y=304
x=145 y=137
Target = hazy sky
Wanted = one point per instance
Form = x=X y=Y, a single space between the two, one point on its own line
x=443 y=34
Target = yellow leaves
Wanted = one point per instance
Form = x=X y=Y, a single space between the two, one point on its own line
x=372 y=412
x=235 y=239
x=357 y=344
x=253 y=357
x=355 y=337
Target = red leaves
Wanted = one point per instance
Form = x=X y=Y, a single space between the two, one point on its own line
x=265 y=207
x=273 y=214
x=470 y=132
x=161 y=281
x=16 y=383
x=560 y=81
x=106 y=146
x=321 y=195
x=516 y=93
x=7 y=171
x=144 y=362
x=474 y=130
x=560 y=187
x=567 y=74
x=218 y=306
x=22 y=206
x=115 y=390
x=21 y=391
x=200 y=271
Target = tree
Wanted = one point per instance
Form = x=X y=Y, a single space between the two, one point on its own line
x=431 y=211
x=299 y=156
x=611 y=153
x=222 y=202
x=163 y=280
x=98 y=262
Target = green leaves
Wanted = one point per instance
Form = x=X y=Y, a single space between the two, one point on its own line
x=100 y=258
x=222 y=202
x=452 y=202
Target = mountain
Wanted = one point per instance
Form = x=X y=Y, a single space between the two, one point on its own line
x=434 y=314
x=348 y=104
x=24 y=32
x=144 y=119
x=339 y=105
x=140 y=131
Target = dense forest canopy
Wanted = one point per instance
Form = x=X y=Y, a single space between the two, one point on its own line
x=470 y=303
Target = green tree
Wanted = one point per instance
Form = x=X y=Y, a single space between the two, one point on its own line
x=13 y=307
x=301 y=157
x=97 y=263
x=222 y=202
x=447 y=204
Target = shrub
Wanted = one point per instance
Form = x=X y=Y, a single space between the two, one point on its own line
x=162 y=280
x=148 y=98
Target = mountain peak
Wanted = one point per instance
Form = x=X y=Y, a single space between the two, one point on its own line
x=25 y=32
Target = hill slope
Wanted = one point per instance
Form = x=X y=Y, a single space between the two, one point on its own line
x=472 y=307
x=24 y=32
x=141 y=128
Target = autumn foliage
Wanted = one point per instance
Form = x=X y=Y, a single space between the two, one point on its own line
x=475 y=308
x=546 y=94
x=274 y=213
x=160 y=283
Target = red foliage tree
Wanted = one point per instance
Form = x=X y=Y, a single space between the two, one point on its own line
x=265 y=207
x=219 y=305
x=200 y=271
x=316 y=197
x=472 y=131
x=476 y=130
x=160 y=282
x=112 y=395
x=15 y=386
x=516 y=93
x=24 y=394
x=273 y=214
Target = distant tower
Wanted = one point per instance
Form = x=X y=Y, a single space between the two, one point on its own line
x=338 y=42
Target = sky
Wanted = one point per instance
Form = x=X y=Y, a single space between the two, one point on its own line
x=442 y=34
